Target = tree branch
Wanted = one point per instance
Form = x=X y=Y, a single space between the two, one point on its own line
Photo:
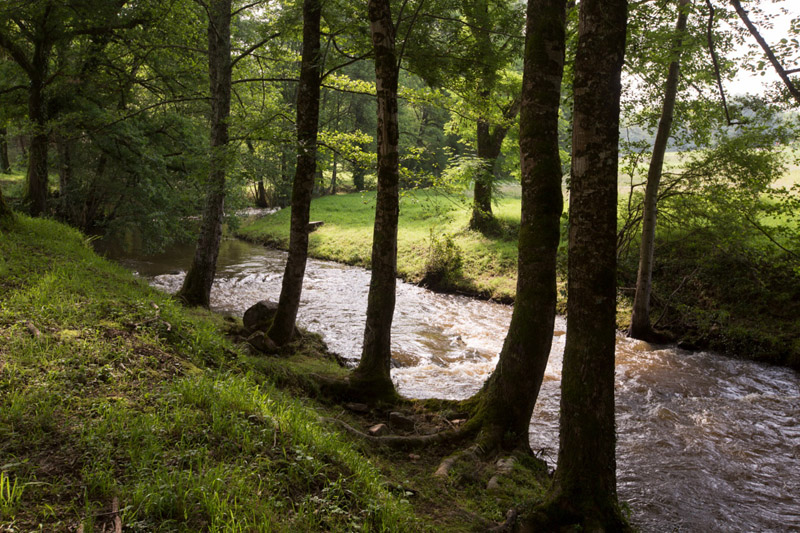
x=253 y=48
x=767 y=50
x=715 y=61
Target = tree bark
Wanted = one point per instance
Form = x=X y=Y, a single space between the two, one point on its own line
x=372 y=373
x=196 y=288
x=584 y=488
x=640 y=327
x=5 y=163
x=261 y=194
x=510 y=393
x=36 y=178
x=5 y=211
x=305 y=171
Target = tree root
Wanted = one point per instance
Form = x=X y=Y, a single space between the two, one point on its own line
x=508 y=525
x=448 y=463
x=402 y=442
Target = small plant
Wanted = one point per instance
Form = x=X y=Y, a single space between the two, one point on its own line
x=444 y=262
x=10 y=495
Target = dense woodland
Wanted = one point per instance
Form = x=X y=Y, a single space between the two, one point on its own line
x=652 y=196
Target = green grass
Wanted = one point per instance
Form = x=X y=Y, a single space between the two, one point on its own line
x=110 y=390
x=488 y=263
x=113 y=396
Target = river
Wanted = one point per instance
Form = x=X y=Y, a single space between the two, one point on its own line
x=705 y=442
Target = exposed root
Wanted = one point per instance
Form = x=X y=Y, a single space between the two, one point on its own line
x=448 y=463
x=402 y=442
x=504 y=467
x=508 y=525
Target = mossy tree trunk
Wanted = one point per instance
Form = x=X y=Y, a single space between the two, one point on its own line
x=196 y=288
x=5 y=163
x=5 y=211
x=640 y=327
x=305 y=171
x=372 y=374
x=584 y=488
x=508 y=397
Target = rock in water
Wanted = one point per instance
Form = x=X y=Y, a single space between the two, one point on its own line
x=259 y=316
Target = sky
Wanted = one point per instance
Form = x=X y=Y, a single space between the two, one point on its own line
x=747 y=82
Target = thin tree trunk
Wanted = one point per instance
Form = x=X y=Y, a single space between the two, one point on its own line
x=305 y=172
x=372 y=374
x=333 y=175
x=36 y=179
x=584 y=488
x=196 y=288
x=510 y=393
x=640 y=327
x=5 y=163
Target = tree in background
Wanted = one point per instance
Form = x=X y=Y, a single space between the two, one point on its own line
x=584 y=489
x=196 y=288
x=640 y=327
x=305 y=171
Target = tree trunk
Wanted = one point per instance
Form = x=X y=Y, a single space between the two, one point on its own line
x=5 y=211
x=510 y=393
x=372 y=373
x=196 y=288
x=482 y=215
x=261 y=194
x=640 y=327
x=333 y=175
x=305 y=172
x=36 y=180
x=584 y=488
x=5 y=163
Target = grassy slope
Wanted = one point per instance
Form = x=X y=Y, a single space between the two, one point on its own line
x=488 y=264
x=123 y=394
x=111 y=392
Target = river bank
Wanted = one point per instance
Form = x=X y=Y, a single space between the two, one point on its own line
x=118 y=404
x=704 y=296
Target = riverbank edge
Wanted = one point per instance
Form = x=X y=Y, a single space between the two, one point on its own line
x=731 y=342
x=118 y=403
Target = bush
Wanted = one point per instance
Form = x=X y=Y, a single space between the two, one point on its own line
x=443 y=264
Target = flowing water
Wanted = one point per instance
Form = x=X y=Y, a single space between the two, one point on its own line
x=705 y=443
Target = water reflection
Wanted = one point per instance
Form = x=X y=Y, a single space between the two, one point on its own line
x=705 y=443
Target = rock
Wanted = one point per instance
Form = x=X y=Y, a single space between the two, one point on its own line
x=493 y=483
x=357 y=407
x=400 y=421
x=414 y=457
x=312 y=226
x=259 y=316
x=379 y=429
x=262 y=343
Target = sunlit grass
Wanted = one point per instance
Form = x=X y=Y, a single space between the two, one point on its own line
x=111 y=391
